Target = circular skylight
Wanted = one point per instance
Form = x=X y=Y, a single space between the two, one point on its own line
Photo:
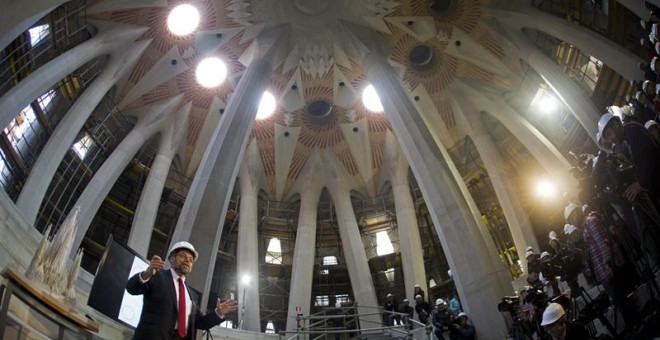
x=266 y=106
x=371 y=100
x=211 y=72
x=183 y=20
x=547 y=104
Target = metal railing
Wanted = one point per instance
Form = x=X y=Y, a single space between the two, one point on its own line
x=337 y=323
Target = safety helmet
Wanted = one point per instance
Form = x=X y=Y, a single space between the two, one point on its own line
x=439 y=302
x=417 y=285
x=650 y=123
x=552 y=235
x=184 y=245
x=390 y=295
x=528 y=254
x=569 y=229
x=570 y=208
x=544 y=254
x=552 y=313
x=462 y=314
x=418 y=296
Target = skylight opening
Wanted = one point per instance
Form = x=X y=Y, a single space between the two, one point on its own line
x=211 y=72
x=82 y=147
x=274 y=251
x=371 y=100
x=270 y=328
x=329 y=260
x=183 y=20
x=266 y=106
x=45 y=99
x=38 y=34
x=383 y=244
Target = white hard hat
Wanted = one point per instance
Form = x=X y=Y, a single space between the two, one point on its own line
x=552 y=235
x=604 y=121
x=405 y=300
x=528 y=254
x=184 y=245
x=552 y=313
x=650 y=123
x=417 y=285
x=439 y=302
x=462 y=314
x=544 y=254
x=569 y=229
x=529 y=248
x=418 y=296
x=569 y=210
x=390 y=295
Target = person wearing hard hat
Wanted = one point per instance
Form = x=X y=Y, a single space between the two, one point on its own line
x=390 y=307
x=557 y=325
x=423 y=309
x=460 y=329
x=417 y=290
x=549 y=272
x=441 y=318
x=533 y=268
x=170 y=310
x=654 y=129
x=636 y=144
x=406 y=309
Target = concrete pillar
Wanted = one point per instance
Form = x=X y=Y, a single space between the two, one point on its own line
x=476 y=273
x=109 y=40
x=172 y=138
x=17 y=16
x=354 y=253
x=67 y=130
x=247 y=250
x=410 y=243
x=202 y=217
x=637 y=7
x=302 y=273
x=517 y=220
x=98 y=188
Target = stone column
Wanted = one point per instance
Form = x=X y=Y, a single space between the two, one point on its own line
x=637 y=7
x=98 y=188
x=410 y=244
x=17 y=16
x=475 y=271
x=354 y=253
x=517 y=220
x=172 y=138
x=247 y=249
x=302 y=272
x=67 y=130
x=109 y=40
x=202 y=217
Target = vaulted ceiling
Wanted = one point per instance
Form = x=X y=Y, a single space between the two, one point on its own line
x=316 y=68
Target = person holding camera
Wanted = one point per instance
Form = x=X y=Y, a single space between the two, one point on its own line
x=441 y=318
x=460 y=329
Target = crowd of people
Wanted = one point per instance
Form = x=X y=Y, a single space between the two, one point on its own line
x=447 y=319
x=611 y=238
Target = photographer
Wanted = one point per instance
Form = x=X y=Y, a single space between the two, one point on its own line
x=549 y=271
x=460 y=329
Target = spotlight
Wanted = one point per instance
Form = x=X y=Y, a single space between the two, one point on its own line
x=183 y=20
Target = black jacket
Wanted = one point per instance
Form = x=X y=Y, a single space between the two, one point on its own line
x=159 y=312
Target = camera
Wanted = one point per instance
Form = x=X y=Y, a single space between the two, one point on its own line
x=509 y=304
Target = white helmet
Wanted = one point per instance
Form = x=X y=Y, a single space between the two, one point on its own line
x=183 y=245
x=439 y=302
x=544 y=254
x=417 y=285
x=552 y=313
x=569 y=229
x=650 y=123
x=569 y=210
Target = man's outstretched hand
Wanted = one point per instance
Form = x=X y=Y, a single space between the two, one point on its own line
x=155 y=265
x=226 y=307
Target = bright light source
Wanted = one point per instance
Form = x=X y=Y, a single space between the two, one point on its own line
x=545 y=188
x=371 y=100
x=266 y=106
x=246 y=279
x=211 y=72
x=183 y=20
x=547 y=104
x=383 y=244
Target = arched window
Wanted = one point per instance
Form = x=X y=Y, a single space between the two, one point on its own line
x=383 y=244
x=274 y=251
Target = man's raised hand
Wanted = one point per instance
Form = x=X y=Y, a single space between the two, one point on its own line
x=155 y=265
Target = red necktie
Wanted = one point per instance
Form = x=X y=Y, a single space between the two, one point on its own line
x=181 y=322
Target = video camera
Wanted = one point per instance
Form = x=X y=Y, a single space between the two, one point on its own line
x=604 y=178
x=509 y=304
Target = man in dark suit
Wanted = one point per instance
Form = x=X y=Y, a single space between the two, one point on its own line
x=169 y=311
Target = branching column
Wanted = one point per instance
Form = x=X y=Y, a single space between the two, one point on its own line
x=98 y=188
x=67 y=130
x=147 y=209
x=354 y=254
x=475 y=272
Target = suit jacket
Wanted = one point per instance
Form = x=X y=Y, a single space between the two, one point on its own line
x=159 y=312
